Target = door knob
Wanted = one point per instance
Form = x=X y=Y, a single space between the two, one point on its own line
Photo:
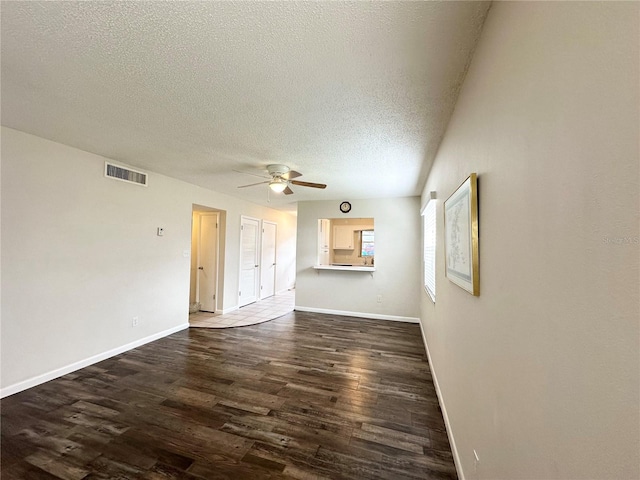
x=200 y=268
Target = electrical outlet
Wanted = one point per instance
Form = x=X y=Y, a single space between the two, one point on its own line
x=379 y=299
x=134 y=322
x=160 y=231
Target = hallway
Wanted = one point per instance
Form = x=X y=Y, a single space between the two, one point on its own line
x=252 y=314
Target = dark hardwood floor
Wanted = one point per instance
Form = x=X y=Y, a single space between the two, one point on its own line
x=304 y=396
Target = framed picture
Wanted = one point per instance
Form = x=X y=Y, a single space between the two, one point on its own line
x=461 y=236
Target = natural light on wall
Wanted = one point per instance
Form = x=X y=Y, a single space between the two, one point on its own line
x=429 y=252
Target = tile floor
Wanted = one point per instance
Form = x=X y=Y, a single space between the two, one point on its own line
x=252 y=314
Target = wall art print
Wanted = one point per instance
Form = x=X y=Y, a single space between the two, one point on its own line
x=461 y=236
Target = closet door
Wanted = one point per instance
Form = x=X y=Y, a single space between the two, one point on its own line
x=268 y=260
x=249 y=266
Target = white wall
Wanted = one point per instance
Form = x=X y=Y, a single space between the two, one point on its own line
x=80 y=256
x=540 y=373
x=397 y=261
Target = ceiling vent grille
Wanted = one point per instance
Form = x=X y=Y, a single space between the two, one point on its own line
x=124 y=174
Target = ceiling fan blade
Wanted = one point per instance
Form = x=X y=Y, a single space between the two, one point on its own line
x=253 y=174
x=287 y=191
x=291 y=174
x=254 y=184
x=308 y=184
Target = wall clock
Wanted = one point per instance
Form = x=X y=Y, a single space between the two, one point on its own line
x=345 y=207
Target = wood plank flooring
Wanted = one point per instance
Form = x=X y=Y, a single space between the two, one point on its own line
x=305 y=396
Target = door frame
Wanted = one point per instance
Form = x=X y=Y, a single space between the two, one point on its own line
x=217 y=261
x=192 y=255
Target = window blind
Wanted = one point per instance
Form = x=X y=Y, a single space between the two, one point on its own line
x=429 y=253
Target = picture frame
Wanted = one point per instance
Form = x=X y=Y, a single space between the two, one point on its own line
x=461 y=243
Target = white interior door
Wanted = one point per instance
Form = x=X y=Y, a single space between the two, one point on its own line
x=268 y=260
x=249 y=237
x=208 y=262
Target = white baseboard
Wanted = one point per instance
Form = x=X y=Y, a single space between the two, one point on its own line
x=59 y=372
x=375 y=316
x=452 y=442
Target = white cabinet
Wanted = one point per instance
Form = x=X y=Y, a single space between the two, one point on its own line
x=343 y=237
x=324 y=235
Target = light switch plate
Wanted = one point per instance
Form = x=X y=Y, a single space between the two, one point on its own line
x=160 y=231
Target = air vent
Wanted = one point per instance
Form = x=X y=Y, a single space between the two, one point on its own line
x=124 y=174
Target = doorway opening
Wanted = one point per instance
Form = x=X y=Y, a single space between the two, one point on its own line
x=207 y=259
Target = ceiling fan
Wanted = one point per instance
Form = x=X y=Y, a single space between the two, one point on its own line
x=281 y=177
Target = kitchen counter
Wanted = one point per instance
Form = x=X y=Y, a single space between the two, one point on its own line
x=346 y=267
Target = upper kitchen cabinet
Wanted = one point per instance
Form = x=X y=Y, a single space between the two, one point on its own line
x=343 y=237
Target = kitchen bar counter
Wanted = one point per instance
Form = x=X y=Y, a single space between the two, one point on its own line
x=346 y=268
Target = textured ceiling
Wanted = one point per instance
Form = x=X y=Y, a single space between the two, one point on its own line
x=356 y=95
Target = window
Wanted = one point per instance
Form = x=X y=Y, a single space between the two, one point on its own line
x=367 y=244
x=429 y=253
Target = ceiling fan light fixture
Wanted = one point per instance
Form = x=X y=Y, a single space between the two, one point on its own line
x=278 y=185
